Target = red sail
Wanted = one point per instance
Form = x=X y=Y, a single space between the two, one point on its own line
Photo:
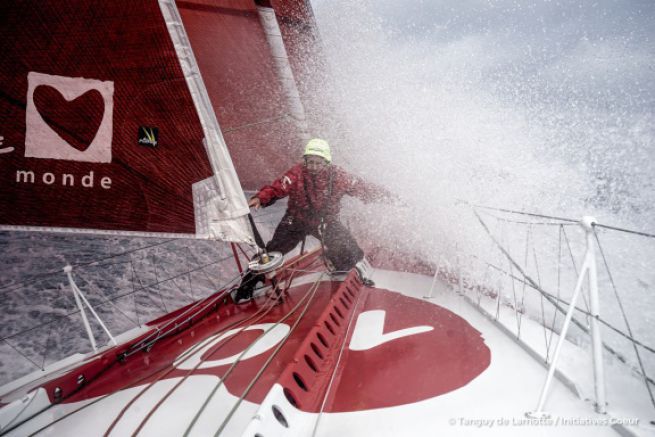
x=244 y=83
x=106 y=124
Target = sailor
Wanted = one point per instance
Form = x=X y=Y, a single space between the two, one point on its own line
x=315 y=188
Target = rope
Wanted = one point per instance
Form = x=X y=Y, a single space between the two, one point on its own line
x=625 y=317
x=208 y=303
x=72 y=393
x=258 y=238
x=309 y=296
x=135 y=348
x=255 y=317
x=332 y=272
x=151 y=339
x=263 y=213
x=248 y=321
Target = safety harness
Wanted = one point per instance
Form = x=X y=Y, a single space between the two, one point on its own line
x=322 y=225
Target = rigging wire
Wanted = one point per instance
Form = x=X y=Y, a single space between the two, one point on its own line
x=256 y=123
x=71 y=313
x=42 y=276
x=209 y=279
x=526 y=259
x=189 y=353
x=629 y=231
x=521 y=222
x=140 y=346
x=563 y=219
x=517 y=314
x=151 y=339
x=188 y=266
x=559 y=277
x=272 y=301
x=629 y=336
x=154 y=264
x=108 y=301
x=136 y=309
x=113 y=298
x=552 y=300
x=541 y=301
x=309 y=296
x=575 y=269
x=208 y=303
x=529 y=214
x=22 y=354
x=581 y=311
x=162 y=307
x=625 y=317
x=147 y=288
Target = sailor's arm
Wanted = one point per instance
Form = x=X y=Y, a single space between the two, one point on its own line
x=279 y=189
x=367 y=191
x=254 y=202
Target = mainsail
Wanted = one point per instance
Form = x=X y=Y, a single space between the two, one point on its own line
x=107 y=126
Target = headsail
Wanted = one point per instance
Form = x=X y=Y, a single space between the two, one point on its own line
x=106 y=125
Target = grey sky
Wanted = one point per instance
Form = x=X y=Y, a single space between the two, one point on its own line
x=575 y=79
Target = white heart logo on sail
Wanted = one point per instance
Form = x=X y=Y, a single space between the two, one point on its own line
x=63 y=109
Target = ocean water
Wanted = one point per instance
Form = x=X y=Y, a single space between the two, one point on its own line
x=538 y=106
x=128 y=281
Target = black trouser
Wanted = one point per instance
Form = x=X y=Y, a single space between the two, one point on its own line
x=341 y=249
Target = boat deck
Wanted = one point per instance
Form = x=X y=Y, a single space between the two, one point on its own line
x=334 y=358
x=493 y=403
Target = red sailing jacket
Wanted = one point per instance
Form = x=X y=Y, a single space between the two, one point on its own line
x=308 y=195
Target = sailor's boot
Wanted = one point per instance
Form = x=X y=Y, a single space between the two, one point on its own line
x=247 y=287
x=363 y=268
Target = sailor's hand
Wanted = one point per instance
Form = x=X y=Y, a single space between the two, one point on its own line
x=255 y=203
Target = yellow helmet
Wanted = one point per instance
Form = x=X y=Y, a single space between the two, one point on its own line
x=318 y=147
